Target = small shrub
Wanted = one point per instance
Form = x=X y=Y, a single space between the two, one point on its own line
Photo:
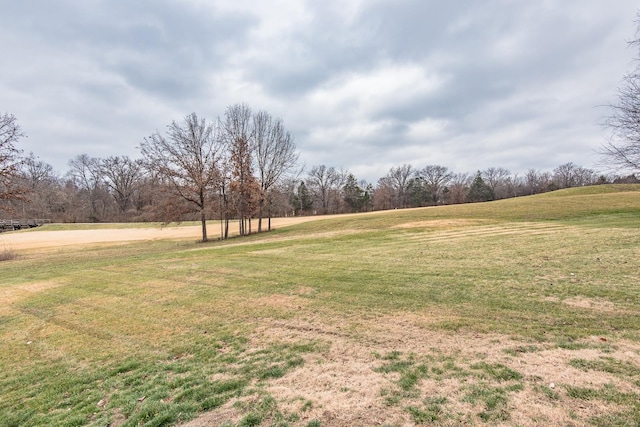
x=7 y=254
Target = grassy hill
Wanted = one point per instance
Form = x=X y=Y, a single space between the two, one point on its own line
x=455 y=314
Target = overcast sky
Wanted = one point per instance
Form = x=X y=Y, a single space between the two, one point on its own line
x=362 y=85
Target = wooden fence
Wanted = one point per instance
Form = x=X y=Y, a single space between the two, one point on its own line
x=21 y=224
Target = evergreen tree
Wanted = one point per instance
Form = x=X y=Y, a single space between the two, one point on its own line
x=479 y=190
x=352 y=194
x=302 y=201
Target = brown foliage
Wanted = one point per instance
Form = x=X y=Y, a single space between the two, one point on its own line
x=10 y=160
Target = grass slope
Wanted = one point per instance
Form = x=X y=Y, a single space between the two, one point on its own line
x=157 y=333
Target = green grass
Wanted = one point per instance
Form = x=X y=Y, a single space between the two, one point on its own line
x=156 y=333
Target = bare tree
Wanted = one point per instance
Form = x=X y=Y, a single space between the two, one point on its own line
x=383 y=197
x=435 y=179
x=623 y=148
x=45 y=195
x=458 y=188
x=238 y=133
x=514 y=186
x=323 y=182
x=38 y=172
x=86 y=174
x=532 y=181
x=187 y=156
x=10 y=161
x=571 y=175
x=224 y=193
x=399 y=179
x=496 y=180
x=122 y=176
x=275 y=154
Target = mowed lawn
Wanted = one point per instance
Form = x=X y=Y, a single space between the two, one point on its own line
x=517 y=312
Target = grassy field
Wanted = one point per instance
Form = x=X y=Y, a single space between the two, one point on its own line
x=518 y=312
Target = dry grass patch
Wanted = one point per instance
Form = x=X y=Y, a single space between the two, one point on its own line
x=396 y=371
x=8 y=254
x=12 y=295
x=290 y=302
x=436 y=224
x=590 y=303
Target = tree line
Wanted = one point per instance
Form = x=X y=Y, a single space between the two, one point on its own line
x=242 y=166
x=327 y=190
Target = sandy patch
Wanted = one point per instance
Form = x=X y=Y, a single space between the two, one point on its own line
x=50 y=239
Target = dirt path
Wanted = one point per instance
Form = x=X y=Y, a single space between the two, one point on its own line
x=41 y=238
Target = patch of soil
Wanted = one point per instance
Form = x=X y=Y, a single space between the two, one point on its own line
x=341 y=386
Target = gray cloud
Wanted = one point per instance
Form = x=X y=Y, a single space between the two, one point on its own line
x=362 y=85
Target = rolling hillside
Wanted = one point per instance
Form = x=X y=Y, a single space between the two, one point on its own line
x=517 y=312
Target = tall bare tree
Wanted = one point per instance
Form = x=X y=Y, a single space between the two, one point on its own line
x=570 y=175
x=400 y=179
x=623 y=148
x=458 y=188
x=10 y=160
x=323 y=182
x=496 y=180
x=383 y=197
x=122 y=176
x=86 y=174
x=435 y=180
x=45 y=198
x=275 y=154
x=38 y=172
x=187 y=156
x=237 y=133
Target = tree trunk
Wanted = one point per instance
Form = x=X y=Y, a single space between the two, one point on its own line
x=203 y=219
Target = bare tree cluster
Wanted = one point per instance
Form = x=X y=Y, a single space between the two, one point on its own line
x=229 y=167
x=237 y=167
x=327 y=190
x=187 y=158
x=234 y=168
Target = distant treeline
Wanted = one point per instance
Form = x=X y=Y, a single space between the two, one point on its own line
x=121 y=189
x=244 y=166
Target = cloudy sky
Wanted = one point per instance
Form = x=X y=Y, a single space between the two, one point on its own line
x=362 y=84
